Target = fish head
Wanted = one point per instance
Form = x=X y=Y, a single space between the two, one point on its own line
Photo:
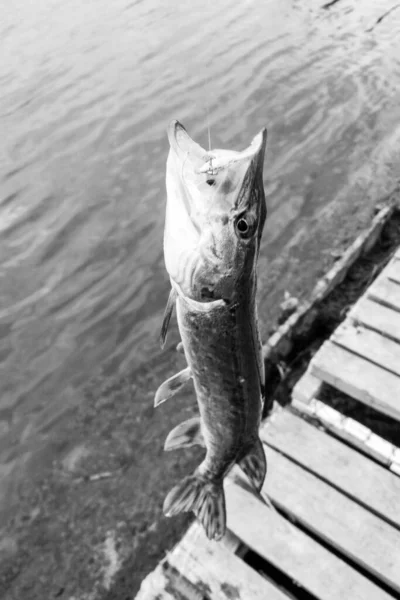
x=215 y=216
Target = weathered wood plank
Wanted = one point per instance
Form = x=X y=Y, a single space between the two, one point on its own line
x=153 y=587
x=352 y=431
x=377 y=317
x=306 y=388
x=335 y=518
x=358 y=435
x=392 y=270
x=386 y=292
x=346 y=469
x=197 y=566
x=327 y=414
x=370 y=345
x=292 y=551
x=358 y=377
x=379 y=446
x=211 y=567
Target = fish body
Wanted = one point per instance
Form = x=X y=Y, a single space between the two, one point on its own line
x=223 y=351
x=214 y=221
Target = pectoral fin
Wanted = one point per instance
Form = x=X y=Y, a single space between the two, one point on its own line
x=167 y=316
x=254 y=465
x=184 y=435
x=171 y=386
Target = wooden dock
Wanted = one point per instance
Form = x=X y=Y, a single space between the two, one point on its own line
x=362 y=359
x=335 y=531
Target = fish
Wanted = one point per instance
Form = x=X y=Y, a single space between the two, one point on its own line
x=215 y=216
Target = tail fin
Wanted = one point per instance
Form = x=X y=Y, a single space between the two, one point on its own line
x=205 y=498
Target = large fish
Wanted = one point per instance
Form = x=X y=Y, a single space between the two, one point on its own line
x=214 y=221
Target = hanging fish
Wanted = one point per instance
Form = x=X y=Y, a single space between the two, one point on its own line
x=214 y=221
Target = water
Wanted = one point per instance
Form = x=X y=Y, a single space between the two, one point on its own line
x=86 y=92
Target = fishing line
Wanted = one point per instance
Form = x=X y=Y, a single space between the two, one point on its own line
x=208 y=124
x=208 y=82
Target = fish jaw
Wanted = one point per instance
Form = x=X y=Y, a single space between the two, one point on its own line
x=210 y=195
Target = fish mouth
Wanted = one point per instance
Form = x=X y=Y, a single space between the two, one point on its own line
x=209 y=165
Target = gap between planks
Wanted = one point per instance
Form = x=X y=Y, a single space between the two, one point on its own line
x=357 y=377
x=292 y=551
x=328 y=458
x=338 y=520
x=305 y=400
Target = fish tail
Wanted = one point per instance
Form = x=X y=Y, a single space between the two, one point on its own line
x=205 y=498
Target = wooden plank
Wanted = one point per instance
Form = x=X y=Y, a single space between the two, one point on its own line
x=396 y=456
x=196 y=565
x=294 y=552
x=327 y=414
x=386 y=292
x=350 y=430
x=380 y=318
x=209 y=566
x=153 y=586
x=380 y=446
x=356 y=430
x=307 y=388
x=346 y=428
x=358 y=377
x=358 y=435
x=331 y=460
x=348 y=527
x=355 y=433
x=370 y=345
x=392 y=270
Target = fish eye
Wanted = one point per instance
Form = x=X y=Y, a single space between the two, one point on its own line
x=242 y=225
x=245 y=226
